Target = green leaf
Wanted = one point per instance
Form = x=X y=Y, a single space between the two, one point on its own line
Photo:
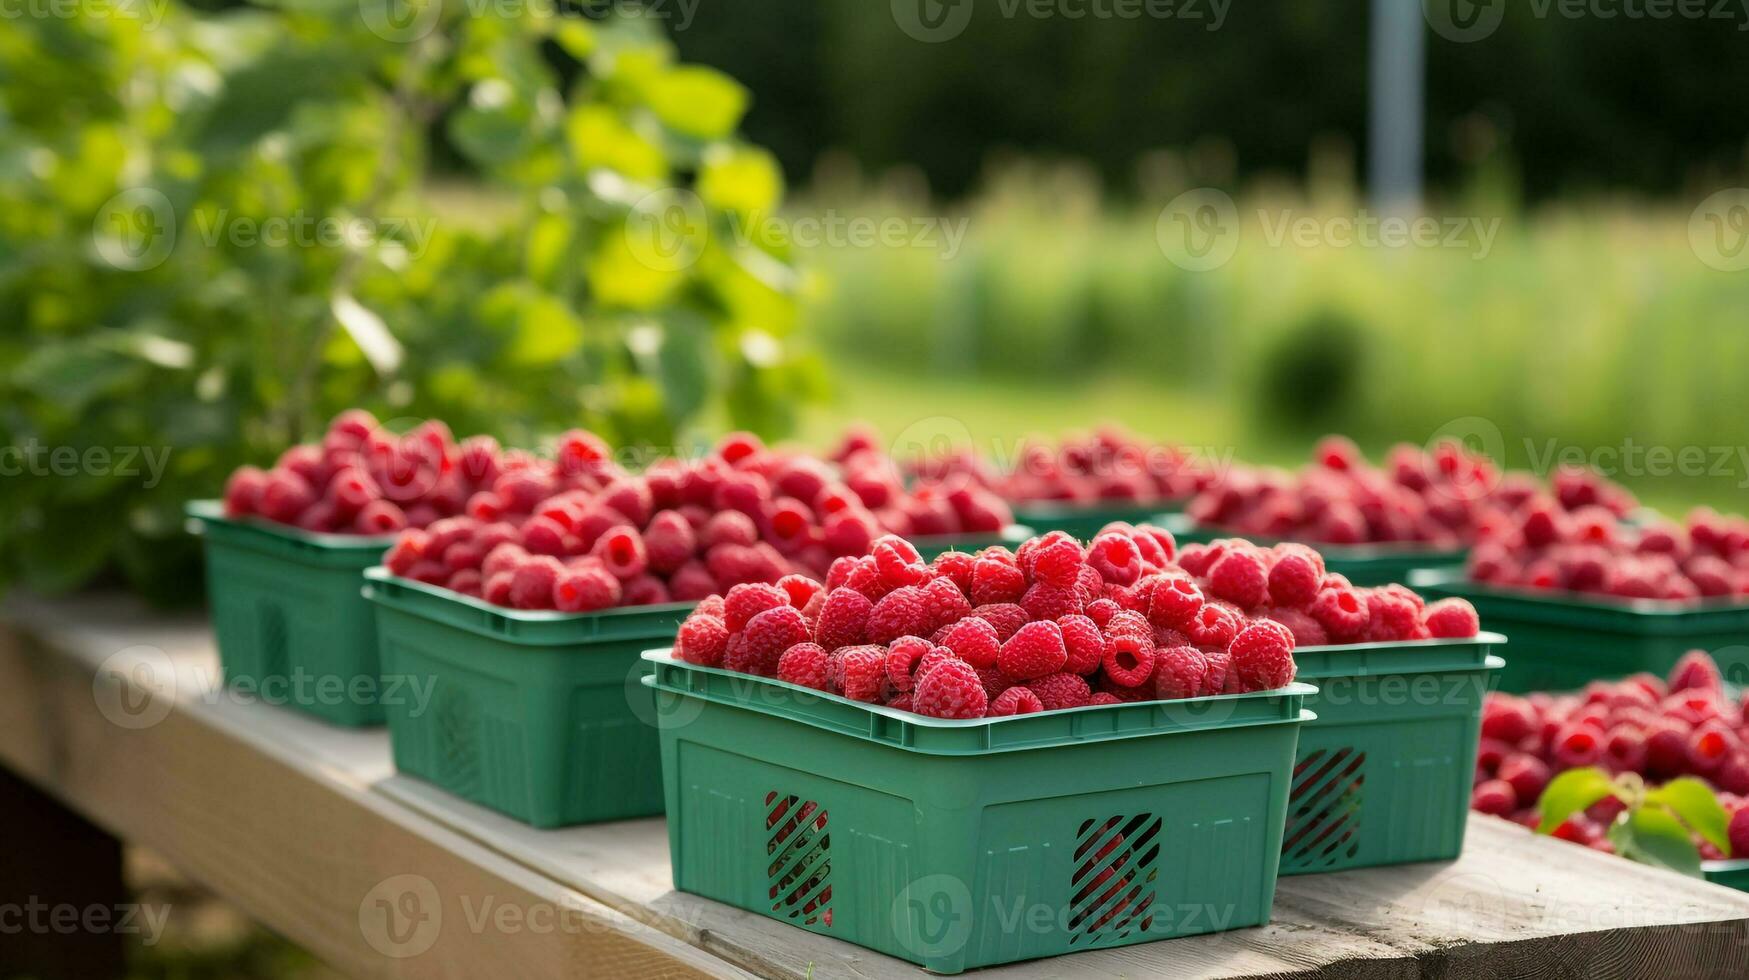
x=1695 y=804
x=71 y=375
x=1572 y=792
x=699 y=102
x=744 y=179
x=1653 y=835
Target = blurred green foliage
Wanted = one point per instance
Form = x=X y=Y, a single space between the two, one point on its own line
x=217 y=235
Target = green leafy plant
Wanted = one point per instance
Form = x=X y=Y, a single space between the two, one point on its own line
x=221 y=230
x=1657 y=825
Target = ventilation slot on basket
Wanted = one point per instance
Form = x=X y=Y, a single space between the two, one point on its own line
x=1114 y=884
x=800 y=868
x=270 y=628
x=1323 y=814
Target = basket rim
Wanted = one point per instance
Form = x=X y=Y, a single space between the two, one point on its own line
x=380 y=573
x=203 y=512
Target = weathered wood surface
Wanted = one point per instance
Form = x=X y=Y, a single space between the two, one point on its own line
x=118 y=713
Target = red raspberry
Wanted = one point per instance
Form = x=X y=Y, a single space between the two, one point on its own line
x=1006 y=617
x=1015 y=701
x=1508 y=718
x=1085 y=643
x=743 y=602
x=1220 y=668
x=1101 y=611
x=1035 y=650
x=1294 y=578
x=1452 y=619
x=903 y=658
x=1695 y=671
x=531 y=586
x=1624 y=748
x=702 y=640
x=956 y=566
x=1128 y=658
x=862 y=673
x=1391 y=617
x=1527 y=774
x=767 y=636
x=973 y=640
x=621 y=551
x=1055 y=559
x=951 y=690
x=410 y=547
x=994 y=681
x=865 y=578
x=1739 y=832
x=1495 y=797
x=1196 y=558
x=1116 y=558
x=1213 y=626
x=586 y=589
x=1179 y=672
x=944 y=603
x=1174 y=602
x=899 y=563
x=1710 y=745
x=996 y=581
x=669 y=541
x=1576 y=746
x=692 y=581
x=901 y=612
x=843 y=620
x=1342 y=612
x=1090 y=587
x=1046 y=602
x=800 y=588
x=1061 y=690
x=1306 y=631
x=645 y=590
x=805 y=664
x=1263 y=657
x=1240 y=577
x=728 y=527
x=1102 y=698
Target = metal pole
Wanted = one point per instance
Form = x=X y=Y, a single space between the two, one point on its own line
x=1397 y=82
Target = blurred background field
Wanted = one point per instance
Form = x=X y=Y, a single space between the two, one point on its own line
x=504 y=157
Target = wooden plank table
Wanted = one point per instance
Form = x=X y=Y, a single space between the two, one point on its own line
x=118 y=713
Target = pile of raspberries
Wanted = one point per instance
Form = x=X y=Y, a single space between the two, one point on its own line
x=1439 y=500
x=579 y=533
x=1054 y=625
x=1545 y=548
x=1108 y=467
x=1686 y=725
x=364 y=479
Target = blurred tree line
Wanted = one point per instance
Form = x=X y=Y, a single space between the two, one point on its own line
x=1571 y=104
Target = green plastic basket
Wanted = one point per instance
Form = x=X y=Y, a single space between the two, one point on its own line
x=1084 y=521
x=1563 y=641
x=1362 y=564
x=290 y=624
x=538 y=715
x=1383 y=775
x=931 y=546
x=960 y=844
x=1731 y=874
